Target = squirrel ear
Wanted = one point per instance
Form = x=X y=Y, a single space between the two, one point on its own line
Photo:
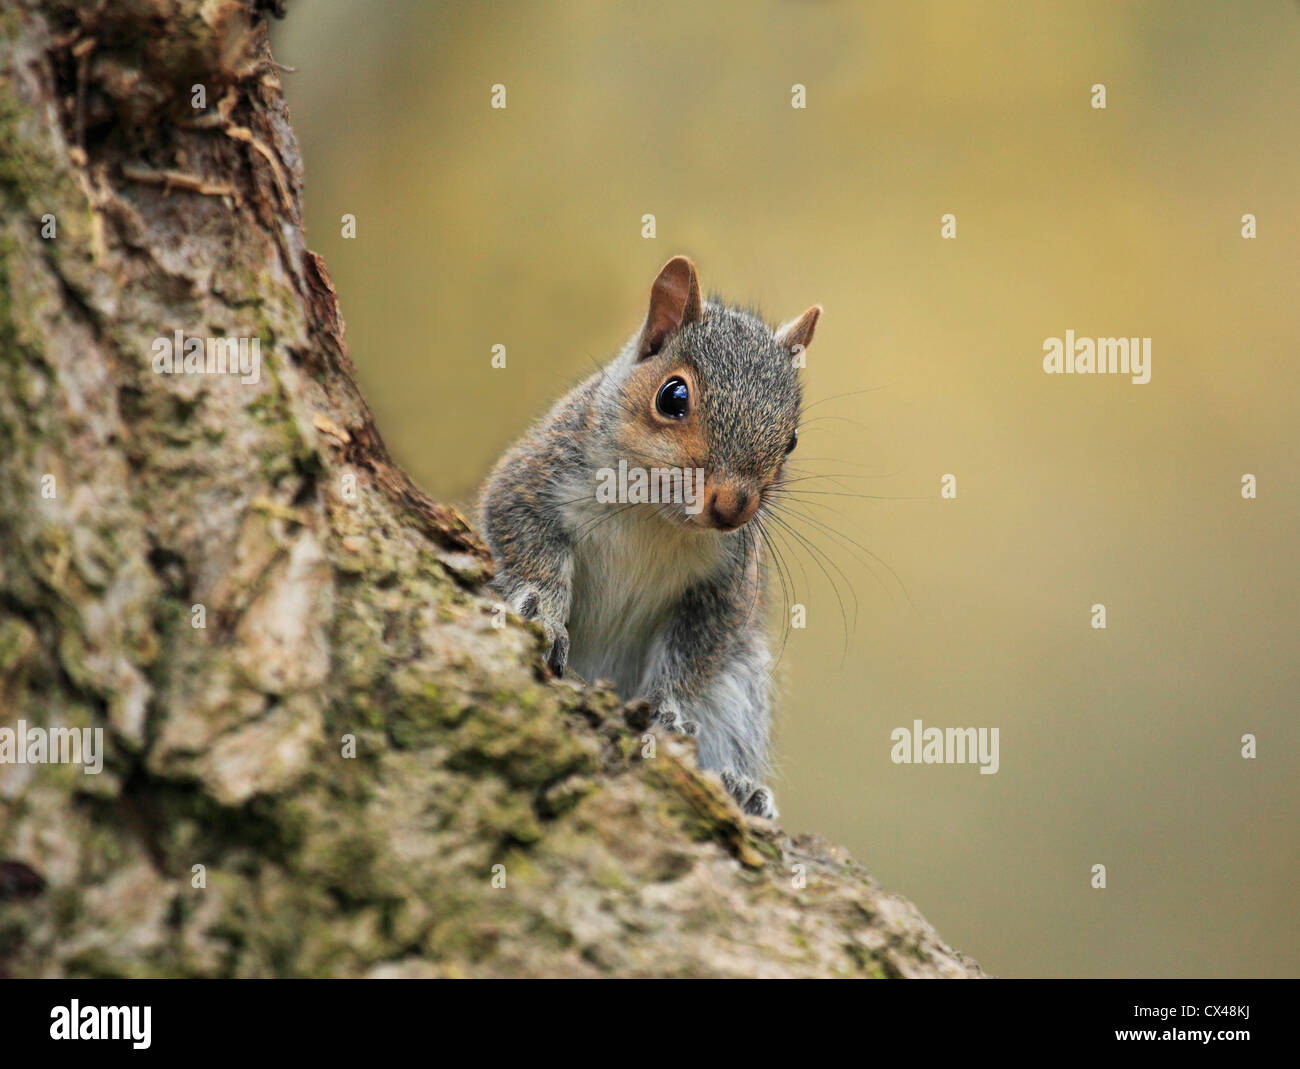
x=674 y=303
x=799 y=331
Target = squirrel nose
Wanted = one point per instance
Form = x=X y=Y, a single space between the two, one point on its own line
x=731 y=506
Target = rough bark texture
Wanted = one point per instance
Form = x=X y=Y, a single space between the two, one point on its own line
x=328 y=613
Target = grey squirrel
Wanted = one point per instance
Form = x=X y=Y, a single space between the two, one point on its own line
x=661 y=593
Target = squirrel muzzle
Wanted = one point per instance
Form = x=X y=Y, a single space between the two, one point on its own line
x=729 y=505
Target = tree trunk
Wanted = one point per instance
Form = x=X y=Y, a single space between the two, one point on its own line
x=324 y=752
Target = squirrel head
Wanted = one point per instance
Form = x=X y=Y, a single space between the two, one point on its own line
x=711 y=389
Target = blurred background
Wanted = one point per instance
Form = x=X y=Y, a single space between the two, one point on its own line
x=1122 y=747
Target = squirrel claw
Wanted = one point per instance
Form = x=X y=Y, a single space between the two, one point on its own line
x=754 y=799
x=558 y=658
x=669 y=716
x=528 y=605
x=761 y=804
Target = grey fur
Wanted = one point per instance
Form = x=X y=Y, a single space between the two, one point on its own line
x=664 y=609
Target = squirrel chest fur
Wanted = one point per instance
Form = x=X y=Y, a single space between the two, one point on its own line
x=629 y=521
x=628 y=579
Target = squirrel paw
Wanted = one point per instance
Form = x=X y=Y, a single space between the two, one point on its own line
x=669 y=715
x=754 y=799
x=558 y=658
x=528 y=606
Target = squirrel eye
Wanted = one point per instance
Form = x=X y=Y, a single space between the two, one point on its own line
x=794 y=441
x=674 y=398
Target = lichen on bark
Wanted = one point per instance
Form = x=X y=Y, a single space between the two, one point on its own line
x=339 y=603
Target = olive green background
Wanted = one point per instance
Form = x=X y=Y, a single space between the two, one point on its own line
x=1118 y=747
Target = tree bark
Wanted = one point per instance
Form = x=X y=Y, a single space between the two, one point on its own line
x=337 y=602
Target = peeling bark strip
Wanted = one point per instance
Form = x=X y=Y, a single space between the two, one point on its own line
x=322 y=758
